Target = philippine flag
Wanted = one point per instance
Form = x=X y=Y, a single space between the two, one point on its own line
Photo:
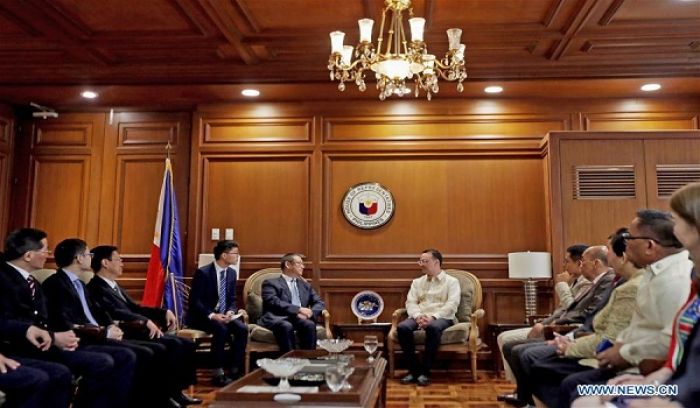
x=164 y=279
x=368 y=207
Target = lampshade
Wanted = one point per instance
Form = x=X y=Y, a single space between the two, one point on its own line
x=529 y=265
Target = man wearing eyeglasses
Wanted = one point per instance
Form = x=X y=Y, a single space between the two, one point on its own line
x=664 y=288
x=71 y=307
x=213 y=309
x=291 y=305
x=431 y=305
x=145 y=323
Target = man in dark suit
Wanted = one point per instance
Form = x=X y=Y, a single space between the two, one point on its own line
x=71 y=306
x=213 y=308
x=105 y=380
x=179 y=370
x=290 y=304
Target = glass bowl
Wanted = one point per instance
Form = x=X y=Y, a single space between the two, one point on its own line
x=334 y=345
x=283 y=368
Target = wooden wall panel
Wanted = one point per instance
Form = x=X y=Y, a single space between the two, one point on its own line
x=60 y=203
x=661 y=151
x=61 y=185
x=251 y=130
x=136 y=205
x=456 y=204
x=591 y=221
x=6 y=154
x=67 y=134
x=264 y=199
x=629 y=121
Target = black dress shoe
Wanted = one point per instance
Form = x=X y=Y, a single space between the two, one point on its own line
x=502 y=397
x=410 y=378
x=185 y=399
x=174 y=404
x=220 y=380
x=423 y=380
x=514 y=401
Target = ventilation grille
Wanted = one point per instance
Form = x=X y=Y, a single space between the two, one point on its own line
x=604 y=182
x=671 y=177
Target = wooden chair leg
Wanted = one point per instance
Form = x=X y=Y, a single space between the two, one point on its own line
x=390 y=351
x=475 y=377
x=247 y=362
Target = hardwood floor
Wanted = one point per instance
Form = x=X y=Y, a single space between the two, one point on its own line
x=451 y=389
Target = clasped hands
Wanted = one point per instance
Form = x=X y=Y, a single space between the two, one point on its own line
x=305 y=313
x=423 y=321
x=224 y=317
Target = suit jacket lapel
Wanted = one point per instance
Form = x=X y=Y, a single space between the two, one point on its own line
x=283 y=284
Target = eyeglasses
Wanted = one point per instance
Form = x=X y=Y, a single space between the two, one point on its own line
x=298 y=263
x=424 y=261
x=232 y=253
x=628 y=237
x=90 y=254
x=44 y=251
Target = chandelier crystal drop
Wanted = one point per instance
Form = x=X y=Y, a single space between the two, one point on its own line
x=399 y=61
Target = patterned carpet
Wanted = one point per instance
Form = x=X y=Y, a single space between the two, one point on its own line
x=453 y=390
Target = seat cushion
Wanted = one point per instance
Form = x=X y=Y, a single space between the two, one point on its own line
x=455 y=334
x=263 y=335
x=253 y=306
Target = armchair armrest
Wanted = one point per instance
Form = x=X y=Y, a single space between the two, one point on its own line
x=397 y=317
x=327 y=323
x=558 y=328
x=243 y=315
x=531 y=320
x=473 y=339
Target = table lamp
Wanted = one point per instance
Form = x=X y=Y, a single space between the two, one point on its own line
x=529 y=266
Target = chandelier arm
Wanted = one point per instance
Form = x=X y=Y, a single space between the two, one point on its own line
x=403 y=38
x=381 y=32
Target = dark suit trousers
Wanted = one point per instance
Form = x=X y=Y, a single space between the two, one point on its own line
x=37 y=384
x=511 y=353
x=221 y=334
x=284 y=333
x=527 y=354
x=106 y=374
x=568 y=391
x=433 y=334
x=179 y=356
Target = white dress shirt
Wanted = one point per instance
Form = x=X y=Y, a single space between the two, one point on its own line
x=663 y=290
x=437 y=297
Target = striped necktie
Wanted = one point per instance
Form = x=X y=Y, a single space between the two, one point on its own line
x=222 y=291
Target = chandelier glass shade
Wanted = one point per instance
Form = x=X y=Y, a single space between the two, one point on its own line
x=396 y=61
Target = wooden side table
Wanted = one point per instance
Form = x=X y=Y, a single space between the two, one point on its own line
x=495 y=329
x=357 y=332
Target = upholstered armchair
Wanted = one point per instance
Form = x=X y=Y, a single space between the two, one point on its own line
x=460 y=338
x=262 y=340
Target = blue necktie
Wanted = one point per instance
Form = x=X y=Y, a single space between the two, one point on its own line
x=222 y=291
x=295 y=293
x=81 y=294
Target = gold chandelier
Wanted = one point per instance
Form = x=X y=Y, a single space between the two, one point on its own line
x=398 y=61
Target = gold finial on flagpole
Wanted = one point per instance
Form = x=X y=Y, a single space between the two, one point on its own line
x=168 y=148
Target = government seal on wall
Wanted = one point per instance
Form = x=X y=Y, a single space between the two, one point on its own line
x=368 y=205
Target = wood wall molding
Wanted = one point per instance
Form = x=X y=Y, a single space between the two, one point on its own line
x=441 y=128
x=268 y=130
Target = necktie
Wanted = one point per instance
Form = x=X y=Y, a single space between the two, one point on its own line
x=222 y=291
x=32 y=285
x=119 y=293
x=295 y=293
x=81 y=294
